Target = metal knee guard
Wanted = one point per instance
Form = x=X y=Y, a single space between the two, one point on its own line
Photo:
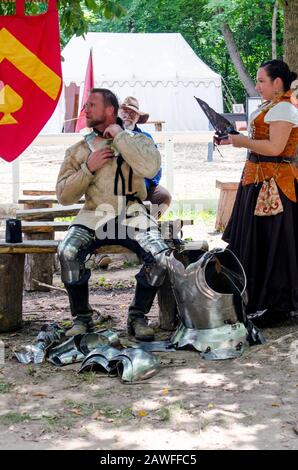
x=72 y=253
x=153 y=243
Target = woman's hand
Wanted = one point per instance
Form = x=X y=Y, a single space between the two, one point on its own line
x=239 y=140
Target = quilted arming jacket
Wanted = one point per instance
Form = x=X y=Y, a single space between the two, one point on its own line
x=121 y=176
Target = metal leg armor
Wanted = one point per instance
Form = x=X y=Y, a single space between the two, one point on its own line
x=153 y=243
x=136 y=322
x=72 y=254
x=149 y=279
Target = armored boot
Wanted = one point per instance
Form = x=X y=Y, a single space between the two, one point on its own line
x=78 y=294
x=137 y=323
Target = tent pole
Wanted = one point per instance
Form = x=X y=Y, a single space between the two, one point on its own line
x=15 y=180
x=169 y=153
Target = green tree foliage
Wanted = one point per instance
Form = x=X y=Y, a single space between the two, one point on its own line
x=73 y=14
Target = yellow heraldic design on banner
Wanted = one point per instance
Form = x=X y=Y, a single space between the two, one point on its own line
x=10 y=102
x=29 y=64
x=31 y=78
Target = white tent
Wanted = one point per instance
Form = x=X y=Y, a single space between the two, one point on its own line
x=160 y=70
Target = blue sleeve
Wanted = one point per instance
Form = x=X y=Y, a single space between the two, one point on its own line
x=153 y=181
x=156 y=179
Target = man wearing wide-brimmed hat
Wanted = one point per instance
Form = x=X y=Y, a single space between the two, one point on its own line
x=131 y=115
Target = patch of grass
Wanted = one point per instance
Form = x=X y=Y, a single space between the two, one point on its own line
x=83 y=409
x=5 y=387
x=207 y=216
x=101 y=393
x=66 y=323
x=129 y=264
x=90 y=378
x=102 y=282
x=119 y=285
x=167 y=412
x=119 y=414
x=65 y=219
x=87 y=409
x=14 y=418
x=164 y=413
x=30 y=370
x=191 y=214
x=51 y=419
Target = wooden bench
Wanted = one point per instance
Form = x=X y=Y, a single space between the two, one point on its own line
x=40 y=202
x=228 y=191
x=12 y=262
x=49 y=213
x=39 y=224
x=39 y=192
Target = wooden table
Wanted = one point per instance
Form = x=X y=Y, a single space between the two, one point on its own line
x=157 y=124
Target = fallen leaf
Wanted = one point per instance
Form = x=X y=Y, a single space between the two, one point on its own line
x=142 y=413
x=40 y=394
x=275 y=405
x=97 y=415
x=76 y=411
x=165 y=391
x=210 y=405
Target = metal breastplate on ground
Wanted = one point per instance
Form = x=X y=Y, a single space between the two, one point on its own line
x=209 y=295
x=207 y=291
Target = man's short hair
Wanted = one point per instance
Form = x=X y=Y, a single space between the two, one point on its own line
x=109 y=98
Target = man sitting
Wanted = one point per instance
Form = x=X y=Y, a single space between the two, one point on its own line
x=108 y=167
x=131 y=115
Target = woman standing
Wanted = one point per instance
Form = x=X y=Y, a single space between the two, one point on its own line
x=263 y=229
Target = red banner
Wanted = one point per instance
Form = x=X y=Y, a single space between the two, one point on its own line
x=30 y=76
x=88 y=85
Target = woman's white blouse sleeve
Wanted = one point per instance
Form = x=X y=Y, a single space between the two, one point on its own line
x=283 y=112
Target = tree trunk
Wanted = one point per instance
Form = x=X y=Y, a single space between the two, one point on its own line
x=237 y=61
x=290 y=8
x=274 y=20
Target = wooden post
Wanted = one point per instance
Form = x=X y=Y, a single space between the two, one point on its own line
x=39 y=266
x=210 y=145
x=227 y=196
x=11 y=291
x=15 y=180
x=167 y=306
x=169 y=154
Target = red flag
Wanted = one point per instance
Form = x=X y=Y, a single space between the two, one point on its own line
x=30 y=76
x=89 y=83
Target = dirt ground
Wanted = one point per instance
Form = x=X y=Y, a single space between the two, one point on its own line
x=245 y=403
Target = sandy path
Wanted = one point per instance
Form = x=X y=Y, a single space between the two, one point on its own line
x=194 y=177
